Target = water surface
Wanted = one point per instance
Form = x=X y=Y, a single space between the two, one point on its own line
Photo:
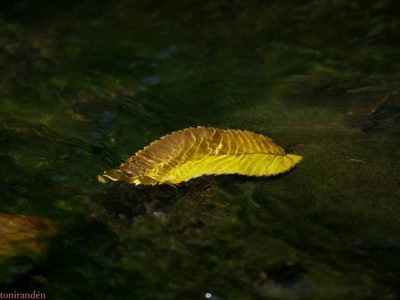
x=85 y=84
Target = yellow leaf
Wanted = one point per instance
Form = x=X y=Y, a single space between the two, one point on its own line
x=22 y=234
x=193 y=152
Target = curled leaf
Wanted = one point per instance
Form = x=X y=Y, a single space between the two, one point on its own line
x=193 y=152
x=22 y=234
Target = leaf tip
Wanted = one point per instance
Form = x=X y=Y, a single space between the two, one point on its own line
x=295 y=158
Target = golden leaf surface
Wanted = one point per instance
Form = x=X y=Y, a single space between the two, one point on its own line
x=22 y=234
x=193 y=152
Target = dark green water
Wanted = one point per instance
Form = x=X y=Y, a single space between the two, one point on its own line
x=84 y=84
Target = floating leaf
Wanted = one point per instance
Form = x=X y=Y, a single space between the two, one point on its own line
x=23 y=234
x=193 y=152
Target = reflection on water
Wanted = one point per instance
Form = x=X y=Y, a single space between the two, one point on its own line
x=84 y=84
